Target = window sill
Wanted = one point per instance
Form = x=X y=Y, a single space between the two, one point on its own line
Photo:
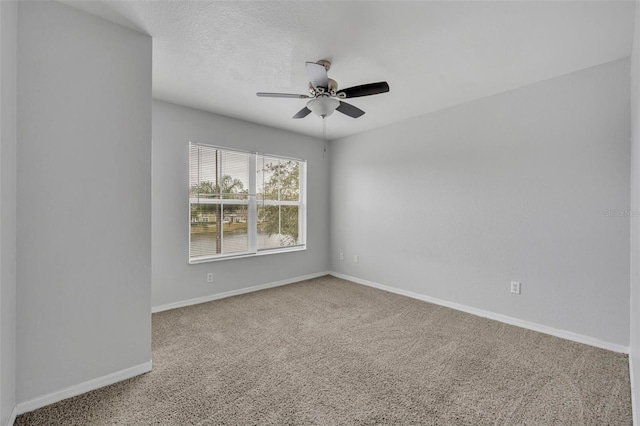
x=246 y=255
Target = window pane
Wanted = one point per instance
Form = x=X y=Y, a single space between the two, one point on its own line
x=278 y=179
x=277 y=226
x=289 y=225
x=289 y=180
x=235 y=238
x=267 y=179
x=234 y=175
x=215 y=173
x=209 y=240
x=268 y=227
x=204 y=230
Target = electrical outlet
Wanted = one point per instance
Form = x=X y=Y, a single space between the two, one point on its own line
x=356 y=259
x=515 y=287
x=341 y=256
x=210 y=277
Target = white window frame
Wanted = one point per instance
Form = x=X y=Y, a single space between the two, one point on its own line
x=252 y=204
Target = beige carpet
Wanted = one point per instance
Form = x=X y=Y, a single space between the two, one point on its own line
x=327 y=351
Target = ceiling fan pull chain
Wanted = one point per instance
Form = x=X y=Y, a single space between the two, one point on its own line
x=324 y=128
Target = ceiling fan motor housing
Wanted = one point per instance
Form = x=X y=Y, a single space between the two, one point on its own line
x=332 y=88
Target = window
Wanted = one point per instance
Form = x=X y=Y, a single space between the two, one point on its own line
x=244 y=204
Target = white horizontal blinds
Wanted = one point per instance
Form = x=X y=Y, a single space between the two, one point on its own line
x=278 y=202
x=234 y=175
x=218 y=174
x=219 y=199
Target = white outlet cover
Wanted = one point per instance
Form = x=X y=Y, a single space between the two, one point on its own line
x=515 y=287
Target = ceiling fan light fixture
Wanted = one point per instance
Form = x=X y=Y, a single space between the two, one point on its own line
x=323 y=106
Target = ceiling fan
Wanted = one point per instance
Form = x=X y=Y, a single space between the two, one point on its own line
x=325 y=96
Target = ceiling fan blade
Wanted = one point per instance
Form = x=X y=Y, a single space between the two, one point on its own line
x=366 y=90
x=350 y=110
x=317 y=75
x=302 y=113
x=281 y=95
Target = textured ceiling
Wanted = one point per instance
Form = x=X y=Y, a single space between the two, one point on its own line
x=215 y=56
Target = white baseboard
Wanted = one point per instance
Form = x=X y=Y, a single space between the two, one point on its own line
x=231 y=293
x=587 y=340
x=12 y=417
x=118 y=376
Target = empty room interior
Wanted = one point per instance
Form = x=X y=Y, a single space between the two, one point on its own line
x=319 y=213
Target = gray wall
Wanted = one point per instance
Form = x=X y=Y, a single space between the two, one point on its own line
x=634 y=356
x=458 y=203
x=173 y=279
x=84 y=198
x=8 y=64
